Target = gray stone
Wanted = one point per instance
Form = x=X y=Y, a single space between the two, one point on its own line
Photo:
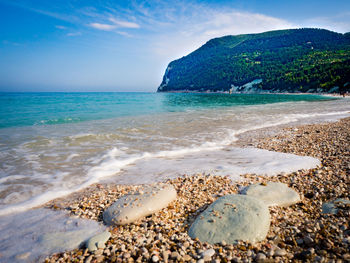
x=331 y=207
x=98 y=241
x=130 y=208
x=273 y=194
x=308 y=240
x=232 y=218
x=62 y=240
x=300 y=241
x=280 y=252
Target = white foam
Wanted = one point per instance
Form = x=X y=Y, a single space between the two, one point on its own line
x=109 y=160
x=230 y=161
x=11 y=178
x=71 y=157
x=25 y=233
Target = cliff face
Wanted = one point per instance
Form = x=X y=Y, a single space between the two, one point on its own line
x=294 y=60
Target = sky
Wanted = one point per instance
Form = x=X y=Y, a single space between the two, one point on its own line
x=117 y=45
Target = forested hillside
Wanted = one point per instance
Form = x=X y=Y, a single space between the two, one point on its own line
x=295 y=60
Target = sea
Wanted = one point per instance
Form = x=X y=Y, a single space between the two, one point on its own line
x=54 y=144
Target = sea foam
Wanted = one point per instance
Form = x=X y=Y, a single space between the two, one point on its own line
x=27 y=235
x=54 y=161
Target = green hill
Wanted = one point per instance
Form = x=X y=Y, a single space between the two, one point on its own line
x=294 y=60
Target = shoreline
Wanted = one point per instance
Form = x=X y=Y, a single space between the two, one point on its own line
x=300 y=231
x=52 y=139
x=332 y=95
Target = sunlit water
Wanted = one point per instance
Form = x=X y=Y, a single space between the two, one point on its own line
x=52 y=144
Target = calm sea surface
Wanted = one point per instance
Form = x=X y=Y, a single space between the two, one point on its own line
x=52 y=144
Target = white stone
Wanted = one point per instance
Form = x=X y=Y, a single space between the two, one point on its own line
x=130 y=208
x=273 y=194
x=98 y=241
x=155 y=258
x=208 y=253
x=232 y=218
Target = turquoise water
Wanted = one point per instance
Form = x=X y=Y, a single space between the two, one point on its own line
x=53 y=144
x=26 y=109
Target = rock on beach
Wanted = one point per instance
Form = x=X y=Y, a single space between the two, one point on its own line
x=231 y=218
x=93 y=242
x=273 y=193
x=333 y=207
x=147 y=201
x=62 y=240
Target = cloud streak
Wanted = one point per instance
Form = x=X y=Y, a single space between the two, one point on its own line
x=74 y=34
x=61 y=27
x=105 y=27
x=116 y=24
x=123 y=24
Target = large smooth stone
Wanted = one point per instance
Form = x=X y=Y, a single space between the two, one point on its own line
x=273 y=194
x=62 y=240
x=130 y=208
x=331 y=207
x=91 y=244
x=231 y=218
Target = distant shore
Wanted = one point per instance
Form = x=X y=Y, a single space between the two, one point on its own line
x=272 y=93
x=300 y=232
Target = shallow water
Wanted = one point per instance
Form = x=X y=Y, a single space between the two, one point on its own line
x=30 y=236
x=127 y=137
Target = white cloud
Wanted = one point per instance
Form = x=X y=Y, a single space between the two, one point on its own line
x=124 y=24
x=116 y=25
x=191 y=31
x=74 y=34
x=338 y=23
x=105 y=27
x=61 y=27
x=233 y=23
x=125 y=34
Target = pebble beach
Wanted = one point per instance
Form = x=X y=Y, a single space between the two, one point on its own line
x=298 y=233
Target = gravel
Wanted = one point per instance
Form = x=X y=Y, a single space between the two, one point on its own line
x=297 y=233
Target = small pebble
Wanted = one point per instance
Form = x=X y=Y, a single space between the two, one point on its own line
x=174 y=255
x=280 y=252
x=186 y=257
x=308 y=240
x=260 y=256
x=155 y=258
x=208 y=253
x=88 y=259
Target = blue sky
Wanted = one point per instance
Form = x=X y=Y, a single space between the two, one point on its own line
x=95 y=45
